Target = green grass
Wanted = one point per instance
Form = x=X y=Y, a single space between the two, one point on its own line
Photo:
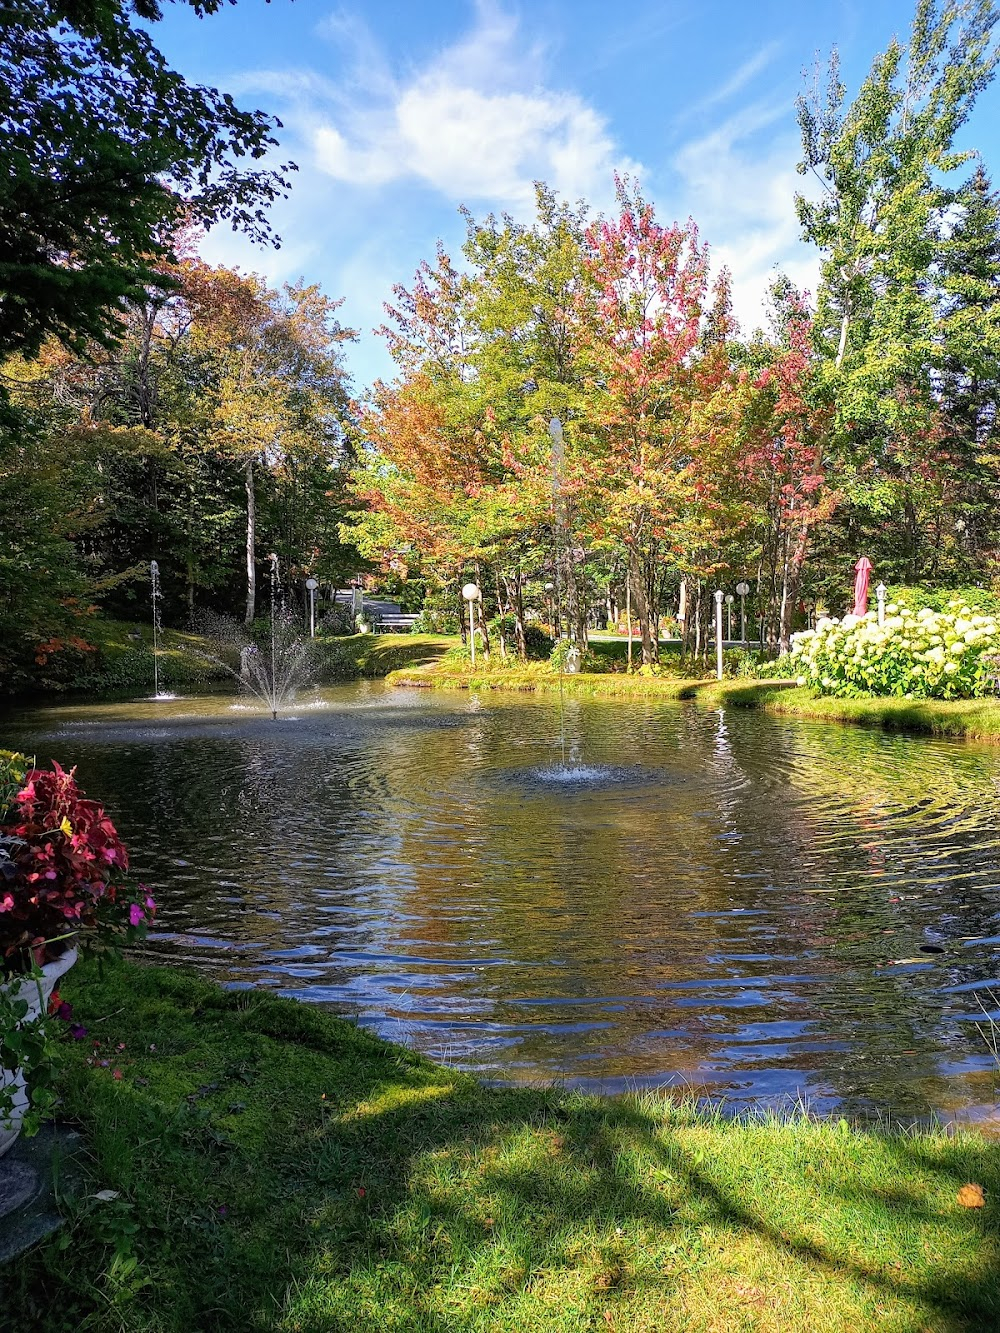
x=276 y=1168
x=538 y=677
x=375 y=655
x=123 y=658
x=971 y=719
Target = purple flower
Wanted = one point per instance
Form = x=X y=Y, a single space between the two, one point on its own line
x=136 y=914
x=78 y=1032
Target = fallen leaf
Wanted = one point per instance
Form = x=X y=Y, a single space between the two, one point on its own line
x=106 y=1196
x=971 y=1196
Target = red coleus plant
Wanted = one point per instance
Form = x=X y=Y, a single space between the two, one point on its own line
x=62 y=854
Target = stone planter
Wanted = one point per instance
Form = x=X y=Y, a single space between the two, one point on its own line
x=37 y=991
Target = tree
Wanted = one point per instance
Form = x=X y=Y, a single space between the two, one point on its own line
x=642 y=344
x=786 y=459
x=281 y=390
x=103 y=149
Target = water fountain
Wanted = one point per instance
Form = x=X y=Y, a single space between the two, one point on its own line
x=272 y=671
x=157 y=597
x=154 y=578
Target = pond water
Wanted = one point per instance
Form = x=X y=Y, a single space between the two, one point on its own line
x=745 y=906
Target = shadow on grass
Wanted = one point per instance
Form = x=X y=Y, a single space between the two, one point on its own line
x=279 y=1169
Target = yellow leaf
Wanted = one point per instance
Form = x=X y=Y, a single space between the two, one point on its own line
x=971 y=1196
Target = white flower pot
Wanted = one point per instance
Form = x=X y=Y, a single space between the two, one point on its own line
x=37 y=992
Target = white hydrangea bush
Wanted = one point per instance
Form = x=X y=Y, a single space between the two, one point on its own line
x=915 y=655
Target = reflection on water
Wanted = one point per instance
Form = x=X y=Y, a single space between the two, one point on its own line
x=749 y=906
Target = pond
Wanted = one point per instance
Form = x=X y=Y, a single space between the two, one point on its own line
x=743 y=906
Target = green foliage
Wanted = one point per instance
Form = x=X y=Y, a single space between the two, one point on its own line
x=433 y=621
x=13 y=770
x=915 y=597
x=103 y=150
x=749 y=664
x=917 y=655
x=538 y=644
x=29 y=1046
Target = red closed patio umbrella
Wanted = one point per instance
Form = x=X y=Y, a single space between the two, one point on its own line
x=863 y=572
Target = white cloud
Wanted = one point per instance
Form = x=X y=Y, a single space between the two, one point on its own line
x=737 y=81
x=476 y=123
x=739 y=182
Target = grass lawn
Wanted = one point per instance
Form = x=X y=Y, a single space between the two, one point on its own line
x=374 y=655
x=277 y=1168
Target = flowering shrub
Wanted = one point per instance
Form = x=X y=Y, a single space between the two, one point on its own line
x=921 y=654
x=61 y=854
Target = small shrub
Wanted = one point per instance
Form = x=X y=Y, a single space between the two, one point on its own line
x=539 y=645
x=749 y=664
x=435 y=621
x=338 y=619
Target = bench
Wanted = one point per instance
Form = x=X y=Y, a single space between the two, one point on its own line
x=399 y=624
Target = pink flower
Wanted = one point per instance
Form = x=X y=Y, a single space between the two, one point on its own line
x=136 y=915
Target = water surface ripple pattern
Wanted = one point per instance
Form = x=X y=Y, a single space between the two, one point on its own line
x=742 y=905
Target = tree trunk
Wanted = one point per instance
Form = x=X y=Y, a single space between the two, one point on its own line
x=640 y=593
x=480 y=618
x=790 y=584
x=628 y=614
x=251 y=544
x=514 y=585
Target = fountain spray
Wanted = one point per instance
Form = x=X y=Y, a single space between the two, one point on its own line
x=274 y=646
x=154 y=578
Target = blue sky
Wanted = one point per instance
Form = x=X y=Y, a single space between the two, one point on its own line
x=398 y=113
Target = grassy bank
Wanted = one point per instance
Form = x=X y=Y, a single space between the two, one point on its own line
x=538 y=677
x=371 y=656
x=272 y=1167
x=120 y=659
x=969 y=719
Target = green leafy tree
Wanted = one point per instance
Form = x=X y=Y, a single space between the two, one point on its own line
x=103 y=149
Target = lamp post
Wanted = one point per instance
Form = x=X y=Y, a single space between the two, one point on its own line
x=472 y=595
x=880 y=593
x=718 y=632
x=558 y=457
x=729 y=615
x=743 y=589
x=312 y=585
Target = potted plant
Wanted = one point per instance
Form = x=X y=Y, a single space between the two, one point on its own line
x=61 y=862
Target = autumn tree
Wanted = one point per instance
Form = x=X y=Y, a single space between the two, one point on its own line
x=641 y=341
x=281 y=393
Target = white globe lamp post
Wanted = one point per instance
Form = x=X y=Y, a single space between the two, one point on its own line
x=472 y=594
